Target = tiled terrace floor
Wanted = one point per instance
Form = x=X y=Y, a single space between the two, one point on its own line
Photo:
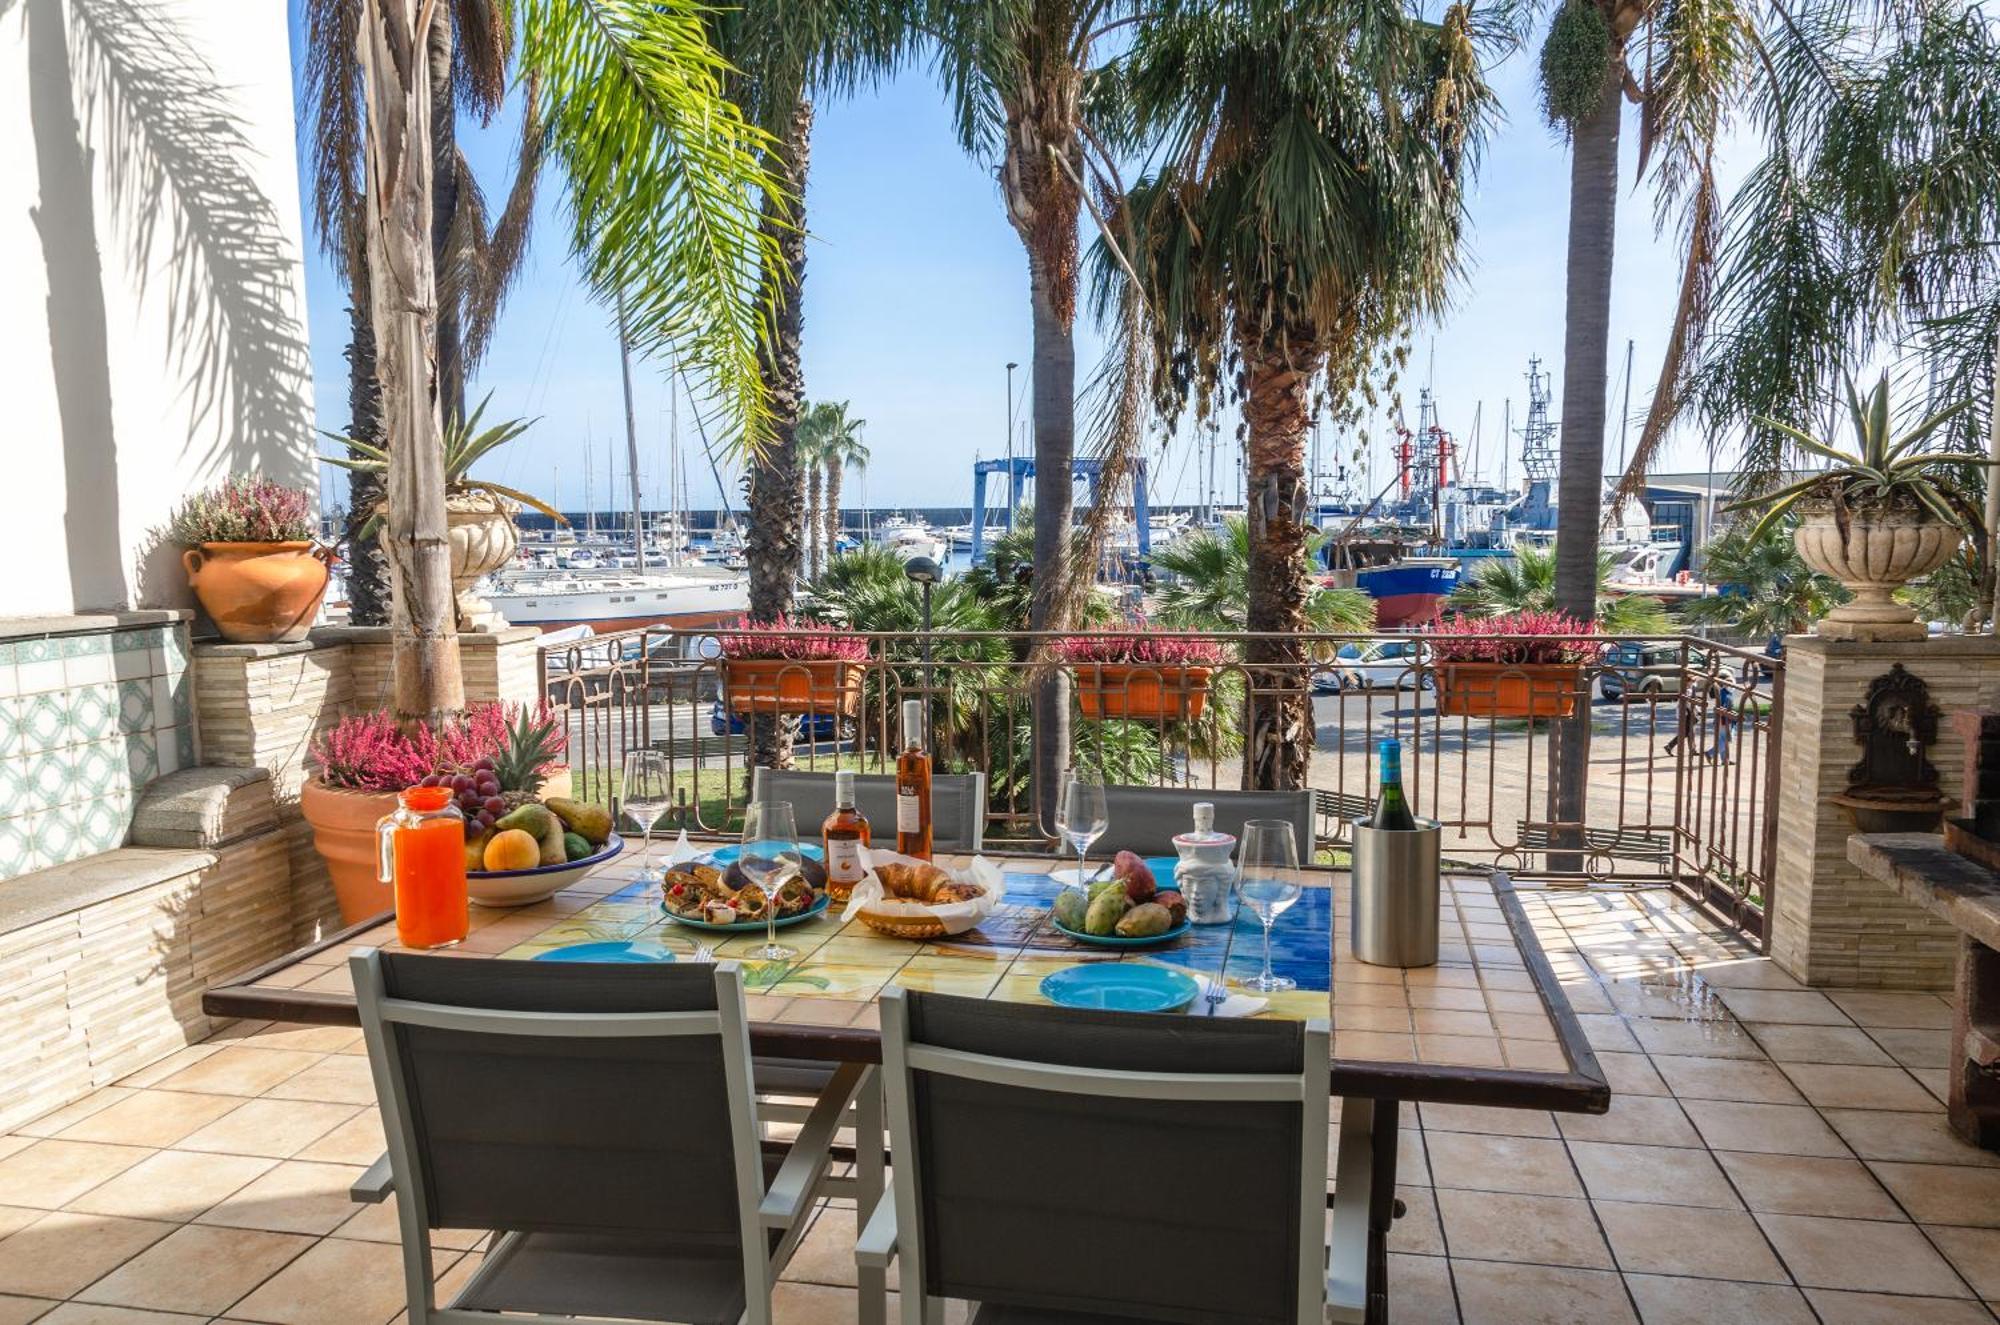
x=1774 y=1155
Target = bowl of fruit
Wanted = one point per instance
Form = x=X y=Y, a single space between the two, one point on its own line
x=519 y=847
x=1127 y=910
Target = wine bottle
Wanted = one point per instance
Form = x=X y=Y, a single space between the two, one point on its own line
x=843 y=835
x=1392 y=807
x=913 y=786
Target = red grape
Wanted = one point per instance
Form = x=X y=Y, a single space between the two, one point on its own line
x=494 y=805
x=483 y=765
x=461 y=783
x=486 y=818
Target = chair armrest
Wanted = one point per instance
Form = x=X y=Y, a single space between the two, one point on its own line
x=374 y=1186
x=876 y=1246
x=805 y=1164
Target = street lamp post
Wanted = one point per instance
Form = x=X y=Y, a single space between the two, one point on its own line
x=924 y=572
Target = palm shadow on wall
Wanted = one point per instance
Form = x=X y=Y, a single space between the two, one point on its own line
x=174 y=156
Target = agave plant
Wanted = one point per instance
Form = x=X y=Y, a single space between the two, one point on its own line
x=465 y=444
x=1882 y=469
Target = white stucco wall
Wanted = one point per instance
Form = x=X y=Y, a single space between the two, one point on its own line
x=152 y=296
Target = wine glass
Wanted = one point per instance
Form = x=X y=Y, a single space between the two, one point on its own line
x=1081 y=817
x=644 y=797
x=1270 y=883
x=770 y=857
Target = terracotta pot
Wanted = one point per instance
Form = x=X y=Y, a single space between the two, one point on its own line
x=1882 y=549
x=343 y=824
x=786 y=685
x=1144 y=692
x=259 y=593
x=1508 y=690
x=483 y=539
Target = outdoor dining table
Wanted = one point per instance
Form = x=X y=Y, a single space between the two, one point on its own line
x=1488 y=1025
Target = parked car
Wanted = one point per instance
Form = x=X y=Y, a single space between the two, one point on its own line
x=1381 y=665
x=815 y=727
x=1643 y=670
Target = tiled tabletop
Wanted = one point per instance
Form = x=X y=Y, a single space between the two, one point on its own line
x=1489 y=1008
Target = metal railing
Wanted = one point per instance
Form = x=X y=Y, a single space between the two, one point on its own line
x=1680 y=738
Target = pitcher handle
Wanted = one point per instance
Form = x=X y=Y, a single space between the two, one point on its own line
x=192 y=560
x=385 y=853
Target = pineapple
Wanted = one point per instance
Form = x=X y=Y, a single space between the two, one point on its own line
x=533 y=742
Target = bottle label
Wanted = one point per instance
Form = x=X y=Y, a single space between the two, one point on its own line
x=909 y=815
x=843 y=860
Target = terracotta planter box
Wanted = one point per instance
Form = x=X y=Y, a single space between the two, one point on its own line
x=343 y=824
x=259 y=593
x=1143 y=692
x=784 y=685
x=1508 y=690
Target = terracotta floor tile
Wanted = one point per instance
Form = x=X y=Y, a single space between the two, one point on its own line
x=51 y=1174
x=1944 y=1193
x=826 y=1254
x=311 y=1039
x=1607 y=1033
x=1695 y=1039
x=1631 y=1074
x=1841 y=1086
x=1784 y=1007
x=1921 y=1138
x=1807 y=1185
x=1976 y=1254
x=1501 y=1164
x=1894 y=1010
x=1496 y=1294
x=276 y=1129
x=813 y=1304
x=335 y=1079
x=14 y=1218
x=1664 y=1301
x=336 y=1282
x=1745 y=973
x=52 y=1124
x=359 y=1140
x=1420 y=1287
x=1744 y=1080
x=91 y=1313
x=1863 y=1254
x=21 y=1310
x=1819 y=1044
x=1916 y=1048
x=9 y=1144
x=1836 y=1308
x=1490 y=1121
x=293 y=1197
x=1653 y=1174
x=61 y=1252
x=1771 y=1129
x=153 y=1073
x=237 y=1069
x=1418 y=1232
x=379 y=1223
x=1548 y=1230
x=1647 y=1120
x=1674 y=1000
x=1706 y=1244
x=171 y=1184
x=150 y=1118
x=197 y=1269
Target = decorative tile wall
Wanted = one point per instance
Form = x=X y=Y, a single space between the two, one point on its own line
x=85 y=721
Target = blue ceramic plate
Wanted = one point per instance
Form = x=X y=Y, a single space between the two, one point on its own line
x=1116 y=941
x=1120 y=987
x=722 y=857
x=748 y=926
x=642 y=951
x=1162 y=867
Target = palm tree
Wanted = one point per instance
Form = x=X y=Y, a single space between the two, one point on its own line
x=1526 y=582
x=476 y=257
x=1307 y=209
x=1209 y=585
x=1763 y=587
x=810 y=450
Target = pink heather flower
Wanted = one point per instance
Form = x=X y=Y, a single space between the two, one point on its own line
x=1136 y=649
x=371 y=751
x=246 y=509
x=1551 y=637
x=790 y=641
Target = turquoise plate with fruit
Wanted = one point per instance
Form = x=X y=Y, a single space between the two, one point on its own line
x=1098 y=871
x=1120 y=987
x=722 y=857
x=749 y=926
x=1115 y=941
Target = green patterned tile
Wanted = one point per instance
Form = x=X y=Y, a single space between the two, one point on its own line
x=85 y=646
x=93 y=712
x=44 y=721
x=99 y=769
x=103 y=822
x=48 y=782
x=58 y=837
x=184 y=752
x=9 y=652
x=176 y=649
x=14 y=784
x=17 y=848
x=127 y=641
x=38 y=650
x=135 y=706
x=11 y=739
x=142 y=757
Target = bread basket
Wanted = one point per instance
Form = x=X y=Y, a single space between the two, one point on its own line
x=904 y=918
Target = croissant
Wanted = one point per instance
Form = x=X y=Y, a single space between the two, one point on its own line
x=924 y=883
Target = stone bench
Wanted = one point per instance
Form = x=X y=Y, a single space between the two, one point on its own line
x=103 y=961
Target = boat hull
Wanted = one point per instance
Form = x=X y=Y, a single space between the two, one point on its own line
x=686 y=601
x=1405 y=593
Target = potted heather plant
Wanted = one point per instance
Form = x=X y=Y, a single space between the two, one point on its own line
x=1139 y=675
x=1520 y=665
x=790 y=667
x=251 y=559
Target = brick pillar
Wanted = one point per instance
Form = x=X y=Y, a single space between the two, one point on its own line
x=1831 y=924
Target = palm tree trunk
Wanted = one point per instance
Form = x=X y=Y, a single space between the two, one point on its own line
x=1593 y=215
x=444 y=212
x=367 y=568
x=772 y=547
x=428 y=685
x=814 y=480
x=1279 y=723
x=831 y=533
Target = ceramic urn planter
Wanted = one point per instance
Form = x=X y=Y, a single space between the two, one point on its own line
x=343 y=823
x=259 y=593
x=1880 y=550
x=483 y=539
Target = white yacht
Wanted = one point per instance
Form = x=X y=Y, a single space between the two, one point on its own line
x=678 y=596
x=910 y=538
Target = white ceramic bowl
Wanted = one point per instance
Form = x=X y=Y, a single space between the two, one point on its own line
x=522 y=887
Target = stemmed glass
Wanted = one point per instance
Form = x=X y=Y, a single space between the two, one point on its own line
x=643 y=796
x=1270 y=883
x=770 y=857
x=1081 y=817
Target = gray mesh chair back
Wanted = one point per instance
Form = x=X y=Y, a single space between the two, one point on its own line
x=958 y=803
x=598 y=1112
x=1160 y=1168
x=1146 y=819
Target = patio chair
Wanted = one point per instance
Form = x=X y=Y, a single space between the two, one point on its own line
x=1146 y=819
x=958 y=803
x=599 y=1119
x=1057 y=1166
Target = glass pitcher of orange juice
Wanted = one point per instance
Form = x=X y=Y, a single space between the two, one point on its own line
x=423 y=854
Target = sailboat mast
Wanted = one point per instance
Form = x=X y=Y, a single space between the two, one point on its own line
x=631 y=439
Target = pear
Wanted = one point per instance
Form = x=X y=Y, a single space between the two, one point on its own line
x=536 y=821
x=590 y=822
x=475 y=849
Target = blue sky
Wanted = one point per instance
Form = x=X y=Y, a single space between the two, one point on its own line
x=916 y=298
